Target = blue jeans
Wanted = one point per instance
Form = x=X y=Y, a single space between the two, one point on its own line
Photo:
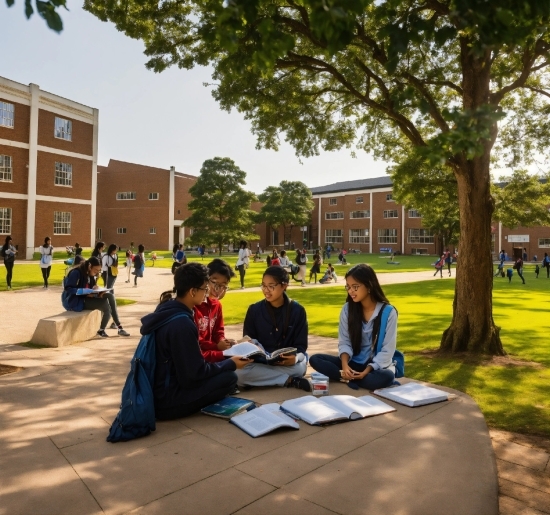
x=331 y=366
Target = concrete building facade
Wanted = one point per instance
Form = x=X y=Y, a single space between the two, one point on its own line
x=48 y=168
x=142 y=205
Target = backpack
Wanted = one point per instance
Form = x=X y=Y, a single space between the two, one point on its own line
x=137 y=262
x=136 y=417
x=378 y=334
x=2 y=252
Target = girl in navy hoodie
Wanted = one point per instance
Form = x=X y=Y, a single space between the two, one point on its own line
x=184 y=381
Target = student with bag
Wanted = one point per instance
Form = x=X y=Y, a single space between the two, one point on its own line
x=139 y=264
x=366 y=354
x=277 y=322
x=109 y=266
x=243 y=261
x=46 y=258
x=8 y=252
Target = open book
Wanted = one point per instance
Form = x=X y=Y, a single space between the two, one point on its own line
x=262 y=420
x=412 y=394
x=87 y=291
x=228 y=407
x=257 y=352
x=315 y=411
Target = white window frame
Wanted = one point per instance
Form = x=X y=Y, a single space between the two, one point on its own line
x=153 y=195
x=62 y=223
x=333 y=201
x=354 y=215
x=126 y=195
x=414 y=213
x=7 y=115
x=63 y=174
x=391 y=213
x=334 y=215
x=63 y=129
x=359 y=199
x=99 y=234
x=359 y=238
x=387 y=236
x=389 y=197
x=5 y=220
x=6 y=168
x=121 y=230
x=334 y=236
x=544 y=243
x=419 y=252
x=421 y=235
x=152 y=230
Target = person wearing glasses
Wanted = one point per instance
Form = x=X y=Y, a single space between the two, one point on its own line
x=277 y=322
x=184 y=381
x=357 y=361
x=208 y=314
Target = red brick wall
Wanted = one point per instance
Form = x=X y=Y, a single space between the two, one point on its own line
x=20 y=170
x=80 y=224
x=18 y=223
x=182 y=198
x=82 y=177
x=20 y=130
x=82 y=135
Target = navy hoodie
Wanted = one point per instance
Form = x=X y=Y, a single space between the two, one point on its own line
x=181 y=374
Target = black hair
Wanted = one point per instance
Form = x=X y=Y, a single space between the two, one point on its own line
x=186 y=277
x=77 y=244
x=112 y=247
x=175 y=248
x=93 y=261
x=128 y=253
x=78 y=260
x=99 y=245
x=283 y=253
x=219 y=266
x=141 y=248
x=278 y=272
x=243 y=244
x=365 y=275
x=8 y=239
x=46 y=240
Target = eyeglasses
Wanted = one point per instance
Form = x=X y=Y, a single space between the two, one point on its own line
x=353 y=287
x=217 y=286
x=270 y=287
x=205 y=290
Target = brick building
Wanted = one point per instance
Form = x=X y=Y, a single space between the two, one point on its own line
x=142 y=204
x=48 y=168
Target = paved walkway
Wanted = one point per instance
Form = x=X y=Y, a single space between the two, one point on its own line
x=55 y=414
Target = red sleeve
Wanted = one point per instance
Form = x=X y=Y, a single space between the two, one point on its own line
x=212 y=356
x=218 y=331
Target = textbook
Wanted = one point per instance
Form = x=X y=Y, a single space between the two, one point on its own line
x=257 y=352
x=262 y=420
x=412 y=394
x=334 y=408
x=228 y=407
x=87 y=291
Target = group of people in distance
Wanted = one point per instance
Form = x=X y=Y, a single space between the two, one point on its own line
x=192 y=371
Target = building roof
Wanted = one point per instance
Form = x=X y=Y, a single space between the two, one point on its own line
x=361 y=184
x=118 y=166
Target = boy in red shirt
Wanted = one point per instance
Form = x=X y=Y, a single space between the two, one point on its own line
x=208 y=315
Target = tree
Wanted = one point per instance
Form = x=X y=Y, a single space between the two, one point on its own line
x=46 y=10
x=287 y=205
x=458 y=82
x=220 y=207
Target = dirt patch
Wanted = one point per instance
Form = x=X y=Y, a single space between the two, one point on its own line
x=8 y=369
x=473 y=359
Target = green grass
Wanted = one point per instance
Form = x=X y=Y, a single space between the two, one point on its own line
x=512 y=397
x=124 y=302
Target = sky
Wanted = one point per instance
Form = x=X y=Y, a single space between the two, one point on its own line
x=161 y=120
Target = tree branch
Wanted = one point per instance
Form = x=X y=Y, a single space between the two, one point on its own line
x=528 y=59
x=447 y=83
x=537 y=90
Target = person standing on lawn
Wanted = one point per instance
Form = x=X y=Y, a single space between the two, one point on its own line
x=8 y=252
x=518 y=267
x=46 y=258
x=356 y=361
x=243 y=260
x=301 y=260
x=546 y=264
x=139 y=264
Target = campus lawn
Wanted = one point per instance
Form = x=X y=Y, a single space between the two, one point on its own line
x=512 y=396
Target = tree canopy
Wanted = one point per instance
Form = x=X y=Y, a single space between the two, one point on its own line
x=48 y=10
x=221 y=212
x=287 y=205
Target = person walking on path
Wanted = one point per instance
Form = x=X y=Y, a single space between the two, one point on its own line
x=546 y=264
x=8 y=252
x=316 y=267
x=129 y=261
x=243 y=261
x=301 y=260
x=439 y=266
x=98 y=250
x=139 y=264
x=46 y=251
x=109 y=266
x=448 y=260
x=518 y=266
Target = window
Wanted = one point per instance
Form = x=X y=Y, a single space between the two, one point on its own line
x=6 y=174
x=359 y=236
x=493 y=239
x=121 y=230
x=419 y=252
x=332 y=201
x=413 y=213
x=152 y=230
x=98 y=233
x=333 y=235
x=274 y=237
x=334 y=215
x=63 y=174
x=126 y=195
x=420 y=236
x=390 y=213
x=62 y=222
x=360 y=214
x=387 y=235
x=6 y=114
x=544 y=243
x=153 y=196
x=389 y=197
x=358 y=200
x=63 y=129
x=5 y=220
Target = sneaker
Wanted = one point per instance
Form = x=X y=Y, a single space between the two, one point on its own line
x=242 y=287
x=301 y=383
x=122 y=332
x=102 y=333
x=113 y=326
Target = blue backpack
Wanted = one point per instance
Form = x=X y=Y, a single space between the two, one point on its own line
x=136 y=417
x=379 y=333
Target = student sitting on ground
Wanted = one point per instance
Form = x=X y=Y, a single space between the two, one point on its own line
x=184 y=381
x=356 y=362
x=84 y=276
x=283 y=259
x=327 y=277
x=277 y=322
x=208 y=314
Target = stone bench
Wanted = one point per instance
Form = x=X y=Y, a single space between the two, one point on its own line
x=67 y=328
